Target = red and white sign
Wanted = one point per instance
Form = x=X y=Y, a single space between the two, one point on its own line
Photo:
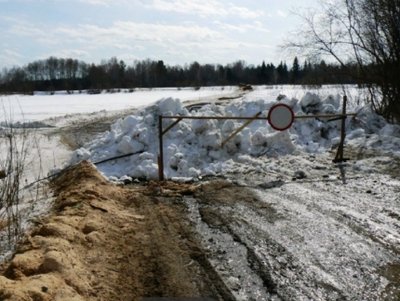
x=280 y=117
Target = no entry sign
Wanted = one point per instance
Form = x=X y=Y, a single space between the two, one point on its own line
x=280 y=117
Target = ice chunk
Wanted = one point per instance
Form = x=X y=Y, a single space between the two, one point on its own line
x=328 y=109
x=201 y=125
x=310 y=103
x=193 y=172
x=228 y=126
x=334 y=101
x=356 y=134
x=390 y=130
x=79 y=155
x=147 y=169
x=129 y=122
x=211 y=140
x=280 y=142
x=292 y=102
x=259 y=139
x=146 y=156
x=128 y=145
x=216 y=155
x=175 y=160
x=170 y=105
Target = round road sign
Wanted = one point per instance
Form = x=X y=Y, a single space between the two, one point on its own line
x=280 y=117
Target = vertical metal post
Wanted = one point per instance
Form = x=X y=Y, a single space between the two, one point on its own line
x=161 y=151
x=339 y=154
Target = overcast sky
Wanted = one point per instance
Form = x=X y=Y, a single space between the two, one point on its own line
x=176 y=31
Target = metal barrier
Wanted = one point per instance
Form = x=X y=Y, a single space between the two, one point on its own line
x=332 y=117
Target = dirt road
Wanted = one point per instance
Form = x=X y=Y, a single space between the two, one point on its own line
x=261 y=239
x=310 y=239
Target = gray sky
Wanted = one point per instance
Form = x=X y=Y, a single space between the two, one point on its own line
x=176 y=31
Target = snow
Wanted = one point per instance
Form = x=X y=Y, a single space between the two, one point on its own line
x=42 y=106
x=355 y=95
x=321 y=223
x=193 y=148
x=44 y=153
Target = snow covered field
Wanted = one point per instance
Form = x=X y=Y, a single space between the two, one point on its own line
x=43 y=106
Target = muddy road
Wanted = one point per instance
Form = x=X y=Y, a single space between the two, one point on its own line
x=271 y=236
x=309 y=239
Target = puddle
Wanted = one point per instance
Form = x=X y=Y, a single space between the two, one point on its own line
x=392 y=273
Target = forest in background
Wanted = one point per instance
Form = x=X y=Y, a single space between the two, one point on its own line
x=54 y=74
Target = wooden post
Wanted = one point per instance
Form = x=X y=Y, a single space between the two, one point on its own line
x=161 y=150
x=339 y=154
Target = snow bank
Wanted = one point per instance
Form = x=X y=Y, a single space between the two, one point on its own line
x=193 y=147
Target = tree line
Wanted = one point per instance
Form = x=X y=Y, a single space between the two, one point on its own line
x=70 y=74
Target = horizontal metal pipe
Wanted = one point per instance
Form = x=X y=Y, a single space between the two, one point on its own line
x=325 y=116
x=256 y=118
x=215 y=117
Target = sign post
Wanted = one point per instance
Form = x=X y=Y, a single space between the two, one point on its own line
x=339 y=154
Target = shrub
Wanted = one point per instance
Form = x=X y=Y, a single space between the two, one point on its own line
x=13 y=144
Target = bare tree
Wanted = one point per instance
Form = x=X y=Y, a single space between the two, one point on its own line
x=365 y=33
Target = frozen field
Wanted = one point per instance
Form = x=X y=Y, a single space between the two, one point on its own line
x=43 y=106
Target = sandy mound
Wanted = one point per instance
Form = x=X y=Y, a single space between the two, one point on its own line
x=105 y=242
